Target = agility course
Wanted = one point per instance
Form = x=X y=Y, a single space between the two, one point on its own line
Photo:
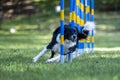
x=17 y=50
x=81 y=11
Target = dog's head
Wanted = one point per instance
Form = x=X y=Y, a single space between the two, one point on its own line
x=70 y=33
x=89 y=26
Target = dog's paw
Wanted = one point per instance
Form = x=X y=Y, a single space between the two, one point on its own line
x=58 y=60
x=34 y=60
x=49 y=61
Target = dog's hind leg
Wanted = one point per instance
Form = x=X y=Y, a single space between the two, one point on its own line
x=52 y=54
x=55 y=59
x=35 y=59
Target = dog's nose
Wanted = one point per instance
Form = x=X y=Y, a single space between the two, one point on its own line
x=74 y=36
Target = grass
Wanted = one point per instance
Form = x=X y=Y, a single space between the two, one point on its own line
x=97 y=66
x=107 y=39
x=17 y=50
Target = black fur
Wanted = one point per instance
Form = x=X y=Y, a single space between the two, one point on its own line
x=68 y=31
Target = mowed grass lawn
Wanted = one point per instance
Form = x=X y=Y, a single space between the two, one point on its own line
x=17 y=51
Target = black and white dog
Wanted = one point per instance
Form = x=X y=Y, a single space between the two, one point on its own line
x=71 y=37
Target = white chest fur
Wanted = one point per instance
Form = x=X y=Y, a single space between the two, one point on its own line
x=67 y=45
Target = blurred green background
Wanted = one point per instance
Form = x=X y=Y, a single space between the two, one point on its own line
x=40 y=14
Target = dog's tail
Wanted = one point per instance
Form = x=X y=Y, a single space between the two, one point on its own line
x=89 y=26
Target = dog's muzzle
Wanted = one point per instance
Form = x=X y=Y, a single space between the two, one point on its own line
x=73 y=38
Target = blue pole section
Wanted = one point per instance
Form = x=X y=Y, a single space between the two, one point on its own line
x=92 y=18
x=71 y=10
x=87 y=6
x=62 y=32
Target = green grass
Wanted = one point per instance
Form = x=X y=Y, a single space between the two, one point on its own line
x=17 y=50
x=97 y=66
x=107 y=39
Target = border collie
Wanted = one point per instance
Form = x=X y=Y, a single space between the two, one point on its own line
x=71 y=37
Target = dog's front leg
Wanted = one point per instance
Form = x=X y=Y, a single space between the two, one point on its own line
x=35 y=59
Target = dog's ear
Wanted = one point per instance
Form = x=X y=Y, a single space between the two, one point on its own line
x=85 y=32
x=65 y=28
x=82 y=36
x=75 y=28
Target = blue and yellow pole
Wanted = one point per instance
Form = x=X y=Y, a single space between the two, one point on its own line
x=92 y=19
x=62 y=31
x=72 y=21
x=87 y=8
x=73 y=14
x=81 y=42
x=78 y=15
x=78 y=22
x=71 y=24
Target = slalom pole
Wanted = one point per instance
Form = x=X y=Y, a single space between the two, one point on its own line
x=92 y=19
x=87 y=8
x=81 y=42
x=69 y=55
x=62 y=31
